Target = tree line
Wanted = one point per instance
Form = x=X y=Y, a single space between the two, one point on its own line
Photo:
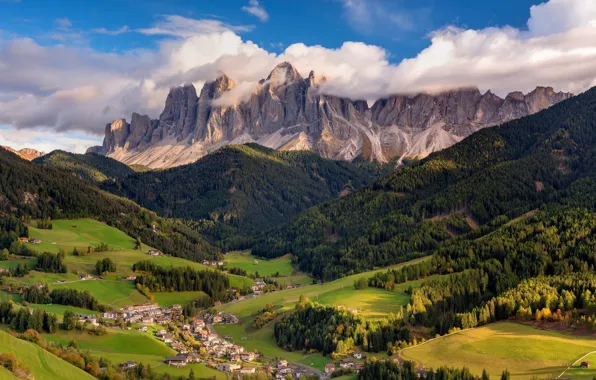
x=40 y=294
x=159 y=279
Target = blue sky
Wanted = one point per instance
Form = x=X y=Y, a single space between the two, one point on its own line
x=69 y=67
x=313 y=22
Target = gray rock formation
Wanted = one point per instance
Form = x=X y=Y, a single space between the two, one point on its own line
x=288 y=112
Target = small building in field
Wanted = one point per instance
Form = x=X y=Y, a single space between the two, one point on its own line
x=329 y=368
x=585 y=364
x=128 y=365
x=357 y=355
x=35 y=241
x=154 y=252
x=178 y=360
x=24 y=239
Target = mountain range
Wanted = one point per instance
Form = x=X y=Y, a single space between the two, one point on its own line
x=28 y=154
x=286 y=111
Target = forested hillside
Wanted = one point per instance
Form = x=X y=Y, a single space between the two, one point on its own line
x=90 y=167
x=34 y=191
x=241 y=190
x=456 y=195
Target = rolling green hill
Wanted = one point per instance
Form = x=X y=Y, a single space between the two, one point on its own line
x=460 y=193
x=90 y=167
x=243 y=189
x=41 y=363
x=41 y=191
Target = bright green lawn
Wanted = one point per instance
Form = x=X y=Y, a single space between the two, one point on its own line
x=525 y=351
x=87 y=232
x=7 y=264
x=371 y=302
x=266 y=268
x=107 y=292
x=41 y=363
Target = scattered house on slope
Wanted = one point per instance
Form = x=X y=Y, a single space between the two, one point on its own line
x=227 y=367
x=128 y=365
x=585 y=364
x=357 y=355
x=177 y=361
x=329 y=368
x=24 y=239
x=154 y=252
x=35 y=241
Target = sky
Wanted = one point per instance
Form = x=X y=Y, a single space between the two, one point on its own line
x=67 y=68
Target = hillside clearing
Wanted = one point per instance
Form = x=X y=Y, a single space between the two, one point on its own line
x=525 y=351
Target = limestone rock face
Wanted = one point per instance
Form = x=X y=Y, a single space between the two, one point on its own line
x=289 y=112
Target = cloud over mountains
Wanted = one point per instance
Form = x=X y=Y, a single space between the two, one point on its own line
x=73 y=87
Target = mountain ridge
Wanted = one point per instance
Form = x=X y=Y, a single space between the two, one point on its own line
x=288 y=112
x=28 y=154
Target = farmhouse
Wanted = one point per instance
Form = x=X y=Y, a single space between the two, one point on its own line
x=227 y=367
x=84 y=276
x=178 y=360
x=585 y=364
x=154 y=252
x=247 y=371
x=35 y=241
x=24 y=239
x=128 y=365
x=329 y=368
x=347 y=363
x=143 y=329
x=357 y=355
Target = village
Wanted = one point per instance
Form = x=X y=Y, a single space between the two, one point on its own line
x=195 y=341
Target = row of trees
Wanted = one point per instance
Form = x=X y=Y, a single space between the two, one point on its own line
x=64 y=296
x=51 y=262
x=22 y=320
x=390 y=370
x=159 y=279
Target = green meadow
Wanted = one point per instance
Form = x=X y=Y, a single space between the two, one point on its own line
x=578 y=373
x=371 y=303
x=525 y=351
x=252 y=264
x=41 y=363
x=82 y=233
x=123 y=345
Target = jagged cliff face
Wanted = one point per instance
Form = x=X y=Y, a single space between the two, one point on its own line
x=288 y=112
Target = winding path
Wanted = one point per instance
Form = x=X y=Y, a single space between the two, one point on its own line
x=575 y=362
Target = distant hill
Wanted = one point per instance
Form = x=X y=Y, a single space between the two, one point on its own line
x=25 y=153
x=90 y=167
x=241 y=190
x=463 y=192
x=40 y=191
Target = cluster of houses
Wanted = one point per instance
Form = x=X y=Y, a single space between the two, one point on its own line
x=213 y=263
x=346 y=363
x=146 y=314
x=31 y=241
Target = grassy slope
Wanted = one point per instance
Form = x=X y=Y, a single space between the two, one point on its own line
x=111 y=291
x=578 y=373
x=246 y=261
x=371 y=302
x=42 y=364
x=525 y=351
x=122 y=345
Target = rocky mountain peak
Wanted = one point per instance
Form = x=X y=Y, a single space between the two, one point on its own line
x=283 y=73
x=28 y=154
x=292 y=113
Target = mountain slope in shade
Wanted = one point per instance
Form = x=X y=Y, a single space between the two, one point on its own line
x=288 y=112
x=241 y=190
x=28 y=154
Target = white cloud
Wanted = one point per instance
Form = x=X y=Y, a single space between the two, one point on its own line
x=67 y=88
x=63 y=23
x=257 y=10
x=45 y=141
x=178 y=26
x=109 y=32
